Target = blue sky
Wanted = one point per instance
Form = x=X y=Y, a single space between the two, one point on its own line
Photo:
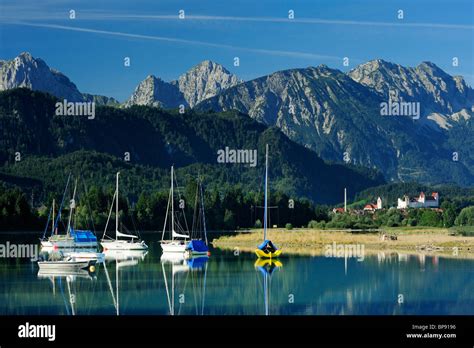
x=90 y=49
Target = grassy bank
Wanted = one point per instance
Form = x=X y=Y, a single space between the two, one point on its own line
x=313 y=241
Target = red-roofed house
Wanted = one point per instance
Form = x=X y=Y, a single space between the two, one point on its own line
x=374 y=206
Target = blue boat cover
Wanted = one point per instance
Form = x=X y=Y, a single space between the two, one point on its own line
x=197 y=262
x=83 y=236
x=266 y=243
x=197 y=245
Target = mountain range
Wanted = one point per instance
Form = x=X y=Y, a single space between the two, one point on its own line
x=335 y=114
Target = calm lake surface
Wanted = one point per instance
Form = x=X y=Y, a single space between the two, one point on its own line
x=229 y=284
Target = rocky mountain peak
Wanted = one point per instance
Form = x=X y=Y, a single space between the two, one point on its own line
x=153 y=91
x=205 y=80
x=34 y=73
x=426 y=83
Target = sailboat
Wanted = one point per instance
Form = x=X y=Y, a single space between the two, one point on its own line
x=73 y=238
x=128 y=241
x=267 y=249
x=179 y=241
x=198 y=246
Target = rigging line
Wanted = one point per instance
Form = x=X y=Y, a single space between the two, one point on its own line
x=47 y=222
x=166 y=217
x=204 y=217
x=62 y=203
x=195 y=216
x=88 y=204
x=110 y=213
x=179 y=195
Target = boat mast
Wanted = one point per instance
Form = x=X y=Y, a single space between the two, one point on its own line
x=266 y=189
x=116 y=205
x=172 y=205
x=72 y=206
x=203 y=213
x=52 y=225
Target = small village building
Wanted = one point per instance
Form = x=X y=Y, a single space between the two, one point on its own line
x=374 y=206
x=422 y=201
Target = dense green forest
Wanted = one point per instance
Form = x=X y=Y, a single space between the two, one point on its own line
x=39 y=149
x=35 y=144
x=231 y=210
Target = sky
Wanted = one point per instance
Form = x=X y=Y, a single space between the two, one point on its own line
x=91 y=48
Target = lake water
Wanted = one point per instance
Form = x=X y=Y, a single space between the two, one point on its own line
x=230 y=284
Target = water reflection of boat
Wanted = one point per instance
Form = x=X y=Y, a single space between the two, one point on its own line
x=124 y=255
x=267 y=267
x=123 y=259
x=71 y=276
x=193 y=266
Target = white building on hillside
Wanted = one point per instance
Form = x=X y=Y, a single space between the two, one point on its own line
x=422 y=201
x=374 y=206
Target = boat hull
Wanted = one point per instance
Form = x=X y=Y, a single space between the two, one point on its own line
x=270 y=255
x=68 y=243
x=123 y=245
x=84 y=256
x=64 y=266
x=173 y=246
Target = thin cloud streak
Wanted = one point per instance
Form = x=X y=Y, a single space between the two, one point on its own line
x=286 y=20
x=103 y=15
x=294 y=54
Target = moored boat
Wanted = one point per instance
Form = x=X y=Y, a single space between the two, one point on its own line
x=179 y=240
x=198 y=245
x=73 y=238
x=267 y=249
x=66 y=265
x=128 y=241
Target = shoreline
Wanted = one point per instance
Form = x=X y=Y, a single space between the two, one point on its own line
x=313 y=242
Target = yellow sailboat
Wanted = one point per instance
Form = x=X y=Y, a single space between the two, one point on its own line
x=267 y=249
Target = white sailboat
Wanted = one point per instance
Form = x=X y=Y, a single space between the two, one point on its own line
x=178 y=241
x=128 y=241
